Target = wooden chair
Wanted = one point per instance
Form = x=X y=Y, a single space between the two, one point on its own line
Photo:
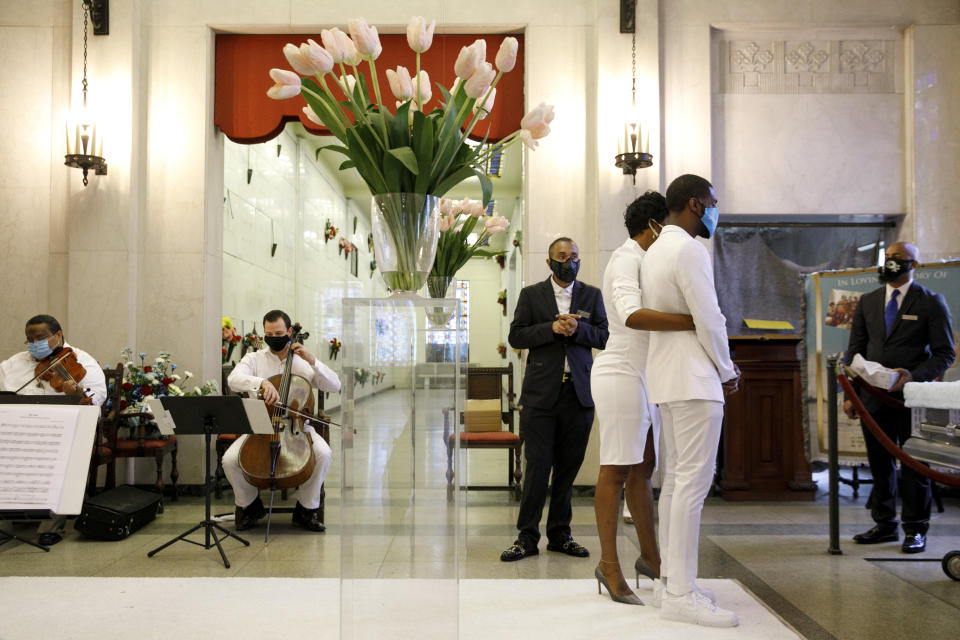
x=486 y=383
x=106 y=433
x=139 y=446
x=224 y=440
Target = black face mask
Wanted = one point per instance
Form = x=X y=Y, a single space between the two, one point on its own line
x=277 y=343
x=565 y=271
x=893 y=269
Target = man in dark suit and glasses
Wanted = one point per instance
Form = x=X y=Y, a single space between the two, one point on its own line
x=906 y=327
x=560 y=321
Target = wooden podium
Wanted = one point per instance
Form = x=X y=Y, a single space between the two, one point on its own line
x=763 y=453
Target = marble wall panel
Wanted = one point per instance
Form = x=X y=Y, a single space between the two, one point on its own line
x=464 y=16
x=97 y=313
x=838 y=153
x=934 y=113
x=42 y=13
x=555 y=177
x=174 y=219
x=25 y=111
x=25 y=276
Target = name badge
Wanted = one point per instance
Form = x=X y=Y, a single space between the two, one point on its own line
x=583 y=314
x=907 y=316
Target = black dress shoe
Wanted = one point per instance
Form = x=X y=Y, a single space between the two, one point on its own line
x=914 y=543
x=309 y=519
x=569 y=547
x=51 y=538
x=246 y=517
x=517 y=551
x=879 y=533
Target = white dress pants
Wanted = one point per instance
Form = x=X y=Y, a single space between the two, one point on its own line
x=309 y=496
x=691 y=434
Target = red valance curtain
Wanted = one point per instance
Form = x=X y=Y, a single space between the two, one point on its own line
x=246 y=115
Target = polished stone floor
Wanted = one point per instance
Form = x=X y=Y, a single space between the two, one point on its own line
x=398 y=526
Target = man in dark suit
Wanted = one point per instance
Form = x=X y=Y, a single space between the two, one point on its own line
x=559 y=320
x=906 y=327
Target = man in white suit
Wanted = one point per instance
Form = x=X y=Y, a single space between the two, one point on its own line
x=688 y=375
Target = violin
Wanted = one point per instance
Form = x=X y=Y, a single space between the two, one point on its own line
x=283 y=459
x=62 y=371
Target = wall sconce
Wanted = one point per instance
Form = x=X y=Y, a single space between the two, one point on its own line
x=84 y=146
x=633 y=151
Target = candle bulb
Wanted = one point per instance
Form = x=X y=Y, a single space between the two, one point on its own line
x=66 y=132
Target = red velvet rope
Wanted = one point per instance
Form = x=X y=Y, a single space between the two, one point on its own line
x=890 y=445
x=880 y=395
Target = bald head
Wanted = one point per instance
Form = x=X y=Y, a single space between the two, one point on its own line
x=903 y=251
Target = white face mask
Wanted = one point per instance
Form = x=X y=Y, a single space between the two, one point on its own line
x=656 y=232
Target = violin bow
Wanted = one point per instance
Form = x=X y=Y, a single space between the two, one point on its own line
x=52 y=364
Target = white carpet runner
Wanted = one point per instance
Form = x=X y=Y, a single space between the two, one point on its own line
x=257 y=608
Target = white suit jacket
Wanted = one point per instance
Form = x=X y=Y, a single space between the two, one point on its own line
x=677 y=277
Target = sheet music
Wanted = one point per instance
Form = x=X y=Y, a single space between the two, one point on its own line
x=35 y=445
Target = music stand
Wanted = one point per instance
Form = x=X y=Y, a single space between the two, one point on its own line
x=10 y=397
x=206 y=415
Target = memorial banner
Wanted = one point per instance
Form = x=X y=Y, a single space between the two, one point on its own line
x=830 y=300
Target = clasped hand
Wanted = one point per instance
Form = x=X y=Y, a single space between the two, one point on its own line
x=732 y=385
x=565 y=324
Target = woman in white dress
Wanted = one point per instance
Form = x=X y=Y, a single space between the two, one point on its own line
x=629 y=426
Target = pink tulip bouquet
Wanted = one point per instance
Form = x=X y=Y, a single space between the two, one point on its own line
x=397 y=148
x=458 y=221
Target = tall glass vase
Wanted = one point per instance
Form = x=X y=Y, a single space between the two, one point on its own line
x=405 y=238
x=438 y=286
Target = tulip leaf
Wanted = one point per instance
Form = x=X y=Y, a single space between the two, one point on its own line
x=347 y=164
x=423 y=142
x=452 y=180
x=407 y=157
x=333 y=147
x=393 y=170
x=400 y=128
x=486 y=186
x=443 y=92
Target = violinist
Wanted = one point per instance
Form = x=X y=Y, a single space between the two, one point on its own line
x=251 y=375
x=45 y=344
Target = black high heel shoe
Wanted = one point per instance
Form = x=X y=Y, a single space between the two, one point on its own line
x=630 y=598
x=641 y=566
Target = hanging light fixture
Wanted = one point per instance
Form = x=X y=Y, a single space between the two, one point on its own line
x=84 y=143
x=633 y=149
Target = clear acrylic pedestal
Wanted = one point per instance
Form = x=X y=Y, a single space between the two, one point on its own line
x=402 y=540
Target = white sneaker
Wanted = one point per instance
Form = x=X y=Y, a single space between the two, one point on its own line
x=706 y=593
x=696 y=608
x=658 y=590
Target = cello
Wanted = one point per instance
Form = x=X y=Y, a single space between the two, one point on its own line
x=283 y=459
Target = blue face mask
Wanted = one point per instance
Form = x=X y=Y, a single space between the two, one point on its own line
x=39 y=349
x=711 y=216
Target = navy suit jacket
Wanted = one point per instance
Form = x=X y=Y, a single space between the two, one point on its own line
x=532 y=329
x=921 y=340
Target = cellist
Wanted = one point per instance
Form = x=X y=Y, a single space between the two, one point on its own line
x=45 y=342
x=251 y=376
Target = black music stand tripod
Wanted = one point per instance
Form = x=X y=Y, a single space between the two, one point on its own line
x=6 y=536
x=205 y=415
